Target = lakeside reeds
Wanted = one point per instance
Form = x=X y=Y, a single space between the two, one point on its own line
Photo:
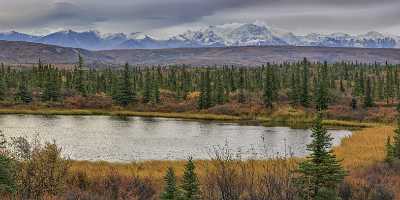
x=302 y=120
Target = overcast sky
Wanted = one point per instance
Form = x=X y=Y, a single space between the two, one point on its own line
x=168 y=17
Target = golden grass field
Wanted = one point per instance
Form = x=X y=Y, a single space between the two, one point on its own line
x=363 y=148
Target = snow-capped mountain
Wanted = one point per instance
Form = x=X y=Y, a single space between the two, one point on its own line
x=259 y=35
x=15 y=36
x=234 y=34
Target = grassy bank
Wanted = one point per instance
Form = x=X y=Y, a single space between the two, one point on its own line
x=363 y=149
x=277 y=119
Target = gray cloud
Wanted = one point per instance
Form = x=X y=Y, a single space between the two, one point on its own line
x=157 y=15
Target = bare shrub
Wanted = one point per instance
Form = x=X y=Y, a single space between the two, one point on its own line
x=229 y=177
x=43 y=174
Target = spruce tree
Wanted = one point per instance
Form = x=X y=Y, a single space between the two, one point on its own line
x=305 y=98
x=201 y=104
x=51 y=91
x=353 y=103
x=293 y=94
x=359 y=85
x=7 y=181
x=368 y=99
x=170 y=190
x=220 y=93
x=156 y=90
x=269 y=88
x=190 y=184
x=205 y=100
x=389 y=89
x=23 y=94
x=147 y=87
x=321 y=93
x=389 y=151
x=395 y=147
x=242 y=98
x=79 y=77
x=321 y=171
x=124 y=94
x=3 y=88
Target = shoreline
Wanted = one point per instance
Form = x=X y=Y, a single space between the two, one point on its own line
x=291 y=121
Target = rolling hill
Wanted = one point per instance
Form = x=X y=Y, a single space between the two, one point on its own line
x=28 y=53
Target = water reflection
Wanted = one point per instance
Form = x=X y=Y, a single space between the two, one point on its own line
x=126 y=139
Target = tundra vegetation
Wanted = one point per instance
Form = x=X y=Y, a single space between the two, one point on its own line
x=346 y=91
x=365 y=166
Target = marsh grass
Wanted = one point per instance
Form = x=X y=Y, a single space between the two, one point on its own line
x=364 y=147
x=358 y=152
x=293 y=119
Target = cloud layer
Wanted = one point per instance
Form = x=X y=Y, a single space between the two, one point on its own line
x=164 y=17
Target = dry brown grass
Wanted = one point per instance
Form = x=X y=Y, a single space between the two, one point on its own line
x=361 y=154
x=364 y=147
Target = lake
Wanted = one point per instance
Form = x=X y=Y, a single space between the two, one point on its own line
x=136 y=138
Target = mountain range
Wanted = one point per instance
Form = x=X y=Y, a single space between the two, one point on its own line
x=227 y=35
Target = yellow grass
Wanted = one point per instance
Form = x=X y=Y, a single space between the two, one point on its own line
x=364 y=147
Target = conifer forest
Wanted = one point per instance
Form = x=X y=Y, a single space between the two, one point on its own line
x=199 y=100
x=305 y=84
x=313 y=93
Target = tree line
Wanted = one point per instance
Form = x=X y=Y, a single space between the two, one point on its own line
x=315 y=85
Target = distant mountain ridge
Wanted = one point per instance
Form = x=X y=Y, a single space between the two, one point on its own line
x=28 y=53
x=227 y=35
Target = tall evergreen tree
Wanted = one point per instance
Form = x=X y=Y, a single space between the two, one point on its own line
x=3 y=88
x=205 y=99
x=147 y=87
x=390 y=157
x=50 y=91
x=321 y=93
x=368 y=99
x=393 y=150
x=7 y=181
x=190 y=184
x=389 y=84
x=305 y=97
x=353 y=103
x=79 y=77
x=124 y=94
x=293 y=92
x=321 y=171
x=269 y=95
x=241 y=86
x=220 y=93
x=23 y=94
x=156 y=90
x=170 y=190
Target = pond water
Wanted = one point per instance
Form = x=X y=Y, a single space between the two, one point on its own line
x=136 y=138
